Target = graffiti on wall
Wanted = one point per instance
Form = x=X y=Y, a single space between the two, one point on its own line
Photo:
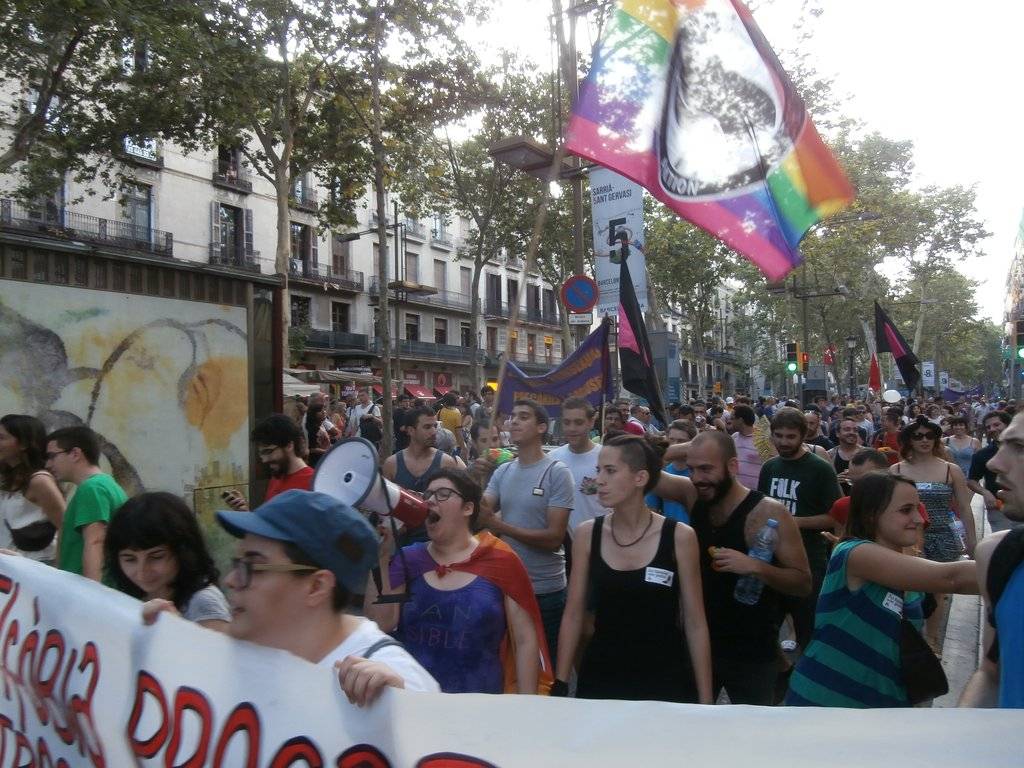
x=164 y=382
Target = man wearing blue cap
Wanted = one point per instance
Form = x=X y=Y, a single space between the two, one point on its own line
x=300 y=558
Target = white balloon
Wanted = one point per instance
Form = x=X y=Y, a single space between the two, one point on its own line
x=891 y=396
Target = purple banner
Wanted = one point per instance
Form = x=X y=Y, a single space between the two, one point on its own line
x=585 y=373
x=952 y=395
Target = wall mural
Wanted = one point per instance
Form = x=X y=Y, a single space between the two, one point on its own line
x=164 y=382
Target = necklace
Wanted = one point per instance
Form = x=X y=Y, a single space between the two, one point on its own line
x=650 y=522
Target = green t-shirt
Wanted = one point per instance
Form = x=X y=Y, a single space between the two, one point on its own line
x=806 y=487
x=95 y=500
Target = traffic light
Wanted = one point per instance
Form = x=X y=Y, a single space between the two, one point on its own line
x=1020 y=339
x=792 y=357
x=805 y=360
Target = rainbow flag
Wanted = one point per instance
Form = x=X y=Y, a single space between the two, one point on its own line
x=686 y=98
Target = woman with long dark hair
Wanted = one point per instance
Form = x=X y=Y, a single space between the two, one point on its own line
x=640 y=573
x=155 y=551
x=853 y=659
x=31 y=504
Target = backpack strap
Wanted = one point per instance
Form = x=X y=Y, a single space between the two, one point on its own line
x=1006 y=558
x=384 y=642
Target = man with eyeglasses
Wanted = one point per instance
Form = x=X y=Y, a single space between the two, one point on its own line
x=299 y=560
x=73 y=456
x=280 y=445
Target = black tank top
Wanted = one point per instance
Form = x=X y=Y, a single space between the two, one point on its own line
x=638 y=651
x=737 y=631
x=412 y=482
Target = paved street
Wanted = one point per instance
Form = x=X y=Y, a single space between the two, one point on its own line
x=961 y=645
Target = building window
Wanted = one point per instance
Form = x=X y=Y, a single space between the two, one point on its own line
x=341 y=256
x=494 y=293
x=440 y=331
x=412 y=267
x=466 y=281
x=465 y=335
x=533 y=300
x=513 y=293
x=376 y=259
x=81 y=270
x=99 y=274
x=138 y=211
x=440 y=275
x=339 y=317
x=230 y=230
x=229 y=162
x=492 y=339
x=40 y=267
x=531 y=347
x=549 y=304
x=412 y=327
x=549 y=349
x=301 y=311
x=301 y=237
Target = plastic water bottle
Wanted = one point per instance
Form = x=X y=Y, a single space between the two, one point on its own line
x=748 y=587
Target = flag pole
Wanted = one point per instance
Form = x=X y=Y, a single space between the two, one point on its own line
x=531 y=255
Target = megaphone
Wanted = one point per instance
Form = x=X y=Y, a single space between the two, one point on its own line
x=348 y=472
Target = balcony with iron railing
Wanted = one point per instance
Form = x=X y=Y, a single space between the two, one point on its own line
x=415 y=230
x=303 y=197
x=425 y=350
x=442 y=239
x=70 y=225
x=236 y=257
x=347 y=279
x=232 y=175
x=495 y=308
x=336 y=340
x=444 y=298
x=142 y=152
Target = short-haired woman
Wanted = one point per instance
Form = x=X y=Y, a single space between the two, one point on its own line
x=853 y=659
x=31 y=504
x=155 y=551
x=471 y=619
x=640 y=572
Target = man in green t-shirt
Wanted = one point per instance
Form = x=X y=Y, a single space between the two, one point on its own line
x=808 y=487
x=72 y=456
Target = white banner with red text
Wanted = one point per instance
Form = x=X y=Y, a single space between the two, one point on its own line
x=84 y=683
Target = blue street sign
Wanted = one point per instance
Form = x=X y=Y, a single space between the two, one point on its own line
x=579 y=294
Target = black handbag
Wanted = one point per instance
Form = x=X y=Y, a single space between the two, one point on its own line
x=921 y=670
x=34 y=536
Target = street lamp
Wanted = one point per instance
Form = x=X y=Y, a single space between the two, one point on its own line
x=851 y=344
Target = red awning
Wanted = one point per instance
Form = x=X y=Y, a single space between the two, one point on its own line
x=378 y=389
x=418 y=390
x=442 y=391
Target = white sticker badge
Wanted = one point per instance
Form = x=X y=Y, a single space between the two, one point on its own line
x=893 y=603
x=658 y=576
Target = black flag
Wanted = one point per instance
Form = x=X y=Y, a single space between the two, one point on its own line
x=889 y=339
x=635 y=358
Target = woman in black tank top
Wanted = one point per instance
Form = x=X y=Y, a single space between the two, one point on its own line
x=640 y=575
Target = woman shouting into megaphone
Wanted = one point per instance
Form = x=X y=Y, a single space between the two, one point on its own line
x=471 y=618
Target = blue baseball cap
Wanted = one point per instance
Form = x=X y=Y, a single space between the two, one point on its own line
x=329 y=531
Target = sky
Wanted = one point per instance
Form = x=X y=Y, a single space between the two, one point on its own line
x=939 y=73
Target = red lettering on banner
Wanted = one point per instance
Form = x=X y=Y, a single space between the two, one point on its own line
x=452 y=760
x=244 y=717
x=299 y=748
x=145 y=685
x=362 y=756
x=190 y=699
x=30 y=668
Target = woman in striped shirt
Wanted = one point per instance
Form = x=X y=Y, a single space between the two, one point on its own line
x=853 y=659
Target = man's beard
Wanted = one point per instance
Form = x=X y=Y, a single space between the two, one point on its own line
x=787 y=452
x=721 y=489
x=277 y=469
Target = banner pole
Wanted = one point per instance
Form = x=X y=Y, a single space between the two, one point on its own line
x=531 y=255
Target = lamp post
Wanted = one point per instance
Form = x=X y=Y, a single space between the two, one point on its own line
x=851 y=344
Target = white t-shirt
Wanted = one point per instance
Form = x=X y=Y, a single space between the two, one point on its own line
x=208 y=604
x=395 y=656
x=583 y=467
x=356 y=416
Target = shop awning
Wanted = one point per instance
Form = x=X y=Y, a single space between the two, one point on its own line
x=418 y=390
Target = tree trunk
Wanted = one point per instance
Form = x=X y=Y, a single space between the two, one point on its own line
x=476 y=367
x=379 y=166
x=282 y=252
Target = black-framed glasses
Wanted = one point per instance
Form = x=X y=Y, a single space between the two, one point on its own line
x=923 y=436
x=245 y=568
x=50 y=456
x=267 y=450
x=441 y=494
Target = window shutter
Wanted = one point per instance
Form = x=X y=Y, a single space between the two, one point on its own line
x=502 y=340
x=247 y=233
x=314 y=243
x=215 y=228
x=557 y=346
